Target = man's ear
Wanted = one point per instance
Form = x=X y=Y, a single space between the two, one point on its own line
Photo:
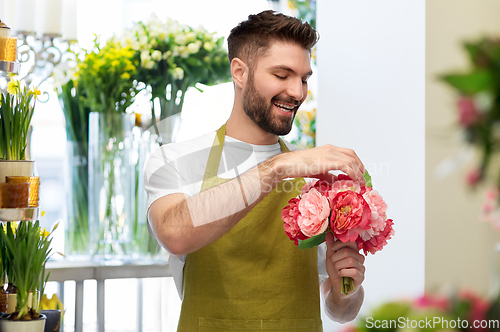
x=239 y=72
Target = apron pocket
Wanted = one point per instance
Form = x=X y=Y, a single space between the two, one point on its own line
x=217 y=325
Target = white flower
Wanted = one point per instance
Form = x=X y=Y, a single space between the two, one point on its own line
x=180 y=39
x=178 y=73
x=184 y=51
x=156 y=56
x=190 y=37
x=193 y=48
x=148 y=64
x=145 y=56
x=176 y=51
x=209 y=46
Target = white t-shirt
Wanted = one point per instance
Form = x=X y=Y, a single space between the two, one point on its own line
x=179 y=168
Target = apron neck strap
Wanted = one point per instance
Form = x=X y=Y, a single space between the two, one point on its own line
x=216 y=153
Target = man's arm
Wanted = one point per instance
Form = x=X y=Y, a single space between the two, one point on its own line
x=184 y=224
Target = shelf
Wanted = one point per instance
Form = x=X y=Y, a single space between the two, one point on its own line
x=9 y=67
x=20 y=214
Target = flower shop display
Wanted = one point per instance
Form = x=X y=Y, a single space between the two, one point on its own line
x=351 y=210
x=478 y=113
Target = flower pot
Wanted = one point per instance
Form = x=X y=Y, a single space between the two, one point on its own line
x=16 y=168
x=12 y=302
x=53 y=321
x=35 y=325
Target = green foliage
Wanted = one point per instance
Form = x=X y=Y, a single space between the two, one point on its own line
x=16 y=110
x=312 y=241
x=25 y=251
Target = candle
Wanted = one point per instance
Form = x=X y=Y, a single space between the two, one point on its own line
x=24 y=15
x=8 y=12
x=51 y=17
x=69 y=20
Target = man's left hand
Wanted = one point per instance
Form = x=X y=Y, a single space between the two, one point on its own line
x=343 y=260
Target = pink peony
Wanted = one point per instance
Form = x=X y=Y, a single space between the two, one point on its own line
x=350 y=215
x=343 y=183
x=468 y=114
x=377 y=242
x=473 y=177
x=378 y=216
x=433 y=301
x=290 y=215
x=322 y=186
x=314 y=211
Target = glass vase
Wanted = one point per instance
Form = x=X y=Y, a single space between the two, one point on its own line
x=76 y=244
x=111 y=186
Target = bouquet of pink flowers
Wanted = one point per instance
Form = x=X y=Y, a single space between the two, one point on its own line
x=351 y=210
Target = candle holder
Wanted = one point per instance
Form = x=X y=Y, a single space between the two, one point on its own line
x=36 y=58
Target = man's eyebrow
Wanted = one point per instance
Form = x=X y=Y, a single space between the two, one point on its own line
x=288 y=69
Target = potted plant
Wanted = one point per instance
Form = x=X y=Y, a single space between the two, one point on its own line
x=16 y=110
x=25 y=249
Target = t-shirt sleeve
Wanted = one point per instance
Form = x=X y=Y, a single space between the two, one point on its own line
x=162 y=176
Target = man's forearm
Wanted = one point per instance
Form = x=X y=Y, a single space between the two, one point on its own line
x=340 y=308
x=194 y=222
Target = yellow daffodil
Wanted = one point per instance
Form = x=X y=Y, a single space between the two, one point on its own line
x=125 y=76
x=13 y=87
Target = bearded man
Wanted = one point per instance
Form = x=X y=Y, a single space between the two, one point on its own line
x=215 y=201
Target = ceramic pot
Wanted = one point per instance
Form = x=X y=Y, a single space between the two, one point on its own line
x=53 y=321
x=16 y=168
x=35 y=325
x=12 y=302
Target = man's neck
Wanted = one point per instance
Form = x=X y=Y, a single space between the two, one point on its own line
x=240 y=127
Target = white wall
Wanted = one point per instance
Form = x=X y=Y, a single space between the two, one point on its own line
x=371 y=72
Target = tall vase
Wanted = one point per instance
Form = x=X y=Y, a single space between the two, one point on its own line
x=76 y=187
x=111 y=185
x=148 y=141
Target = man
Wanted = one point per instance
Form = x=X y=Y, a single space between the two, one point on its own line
x=216 y=201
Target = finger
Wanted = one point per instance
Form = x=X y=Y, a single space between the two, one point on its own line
x=328 y=177
x=349 y=244
x=347 y=253
x=329 y=244
x=349 y=263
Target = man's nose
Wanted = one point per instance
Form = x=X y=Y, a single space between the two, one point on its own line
x=296 y=89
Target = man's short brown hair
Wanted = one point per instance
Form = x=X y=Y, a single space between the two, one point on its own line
x=250 y=39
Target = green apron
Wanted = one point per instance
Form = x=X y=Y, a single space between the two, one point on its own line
x=253 y=278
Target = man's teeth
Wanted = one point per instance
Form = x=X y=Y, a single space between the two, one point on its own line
x=285 y=108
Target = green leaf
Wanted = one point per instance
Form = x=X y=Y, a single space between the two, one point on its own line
x=368 y=179
x=470 y=83
x=312 y=241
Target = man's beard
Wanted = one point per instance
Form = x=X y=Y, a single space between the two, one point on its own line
x=260 y=112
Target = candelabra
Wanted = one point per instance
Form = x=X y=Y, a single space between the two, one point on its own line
x=37 y=57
